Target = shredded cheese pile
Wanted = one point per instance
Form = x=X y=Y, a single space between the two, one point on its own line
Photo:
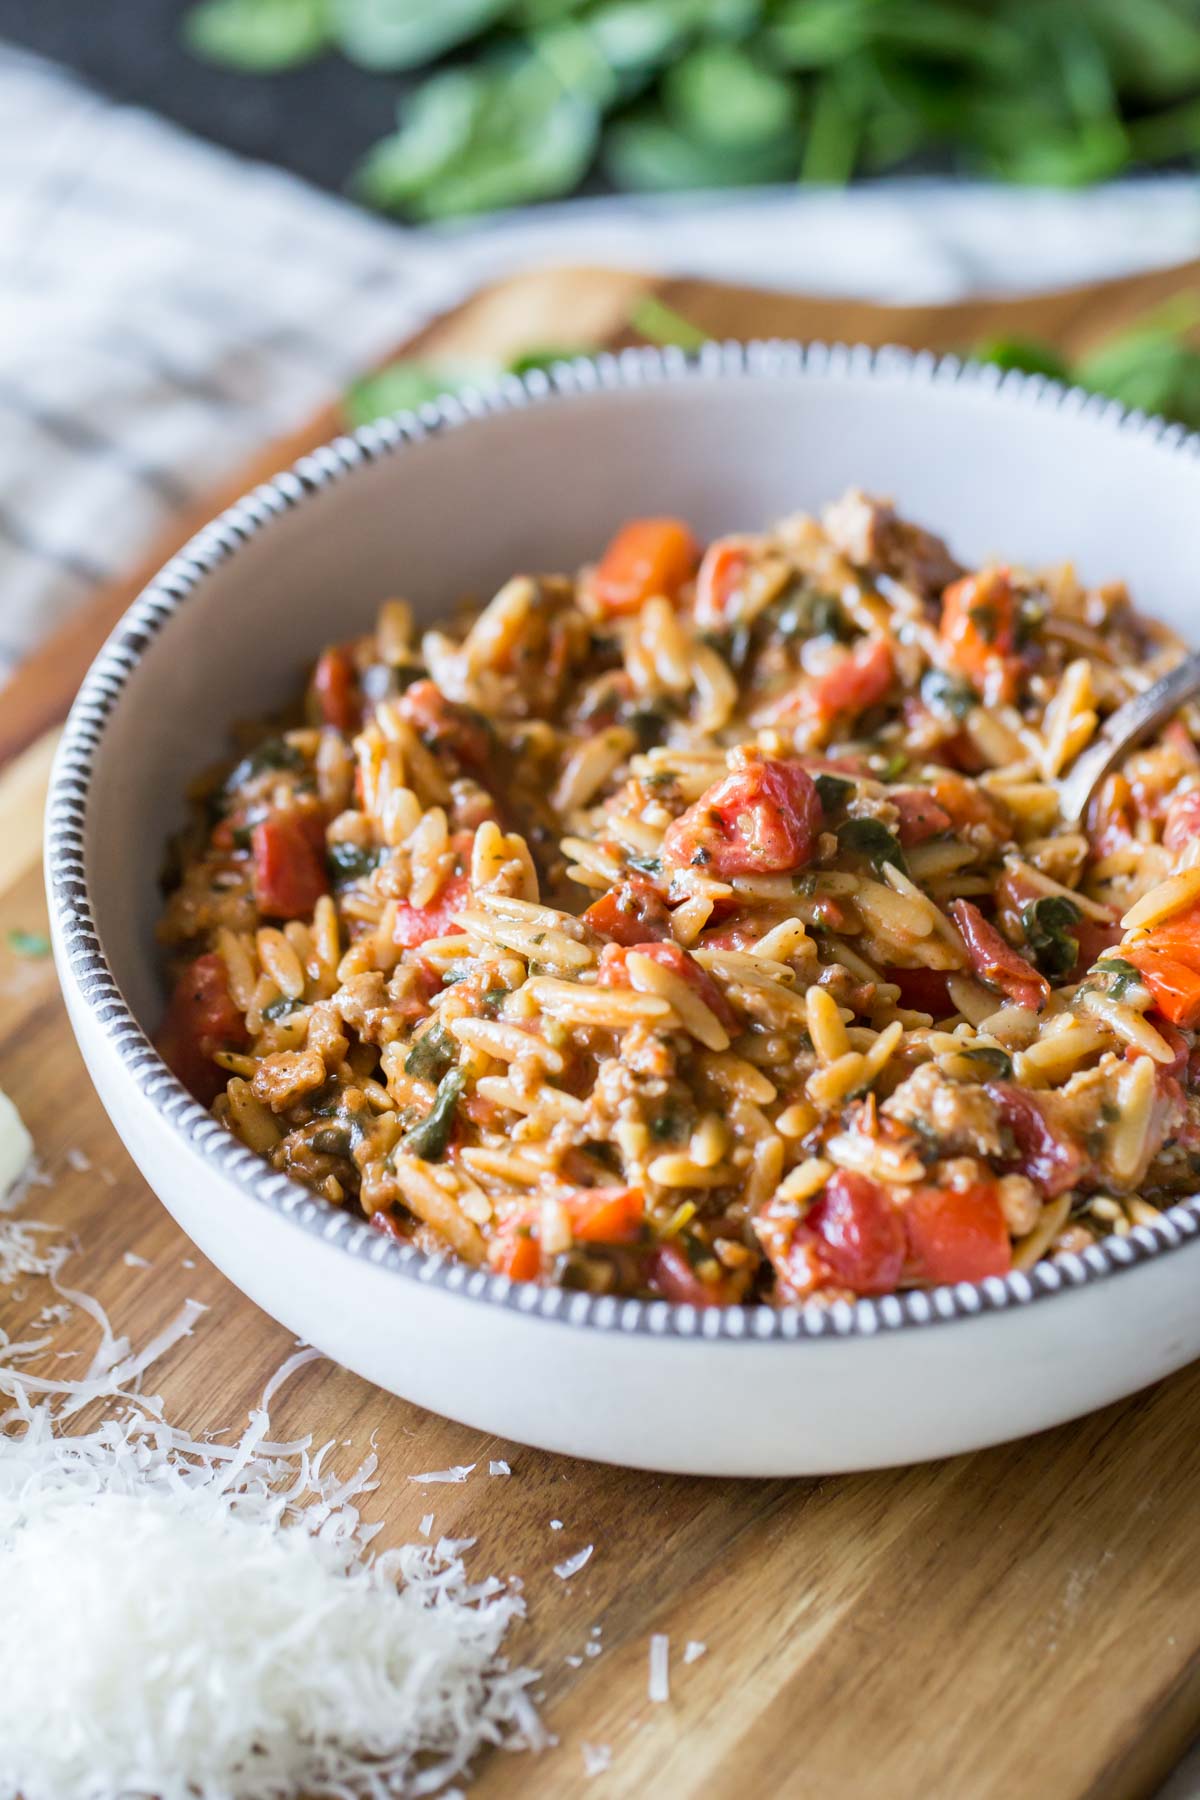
x=194 y=1619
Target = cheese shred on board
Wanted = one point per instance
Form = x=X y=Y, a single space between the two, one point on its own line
x=194 y=1619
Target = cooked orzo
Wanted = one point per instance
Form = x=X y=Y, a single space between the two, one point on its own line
x=703 y=924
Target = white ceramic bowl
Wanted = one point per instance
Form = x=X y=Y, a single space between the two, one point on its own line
x=536 y=474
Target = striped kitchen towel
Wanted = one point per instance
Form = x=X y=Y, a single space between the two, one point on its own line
x=165 y=310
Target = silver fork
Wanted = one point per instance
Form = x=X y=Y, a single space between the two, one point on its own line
x=1131 y=722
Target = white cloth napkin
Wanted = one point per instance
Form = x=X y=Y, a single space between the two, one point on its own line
x=167 y=308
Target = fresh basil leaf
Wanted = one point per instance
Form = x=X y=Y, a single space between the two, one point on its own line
x=546 y=357
x=833 y=791
x=406 y=386
x=499 y=134
x=1025 y=354
x=33 y=944
x=280 y=1009
x=721 y=94
x=869 y=839
x=428 y=1140
x=258 y=36
x=643 y=150
x=1046 y=923
x=659 y=323
x=404 y=34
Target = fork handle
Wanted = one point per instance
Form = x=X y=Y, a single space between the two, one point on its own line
x=1131 y=722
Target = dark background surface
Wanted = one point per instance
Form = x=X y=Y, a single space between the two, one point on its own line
x=318 y=121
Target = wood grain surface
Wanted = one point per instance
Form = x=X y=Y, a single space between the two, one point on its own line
x=1019 y=1622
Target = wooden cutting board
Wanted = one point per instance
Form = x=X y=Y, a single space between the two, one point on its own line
x=1022 y=1621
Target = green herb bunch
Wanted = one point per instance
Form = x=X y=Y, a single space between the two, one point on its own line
x=1153 y=365
x=668 y=94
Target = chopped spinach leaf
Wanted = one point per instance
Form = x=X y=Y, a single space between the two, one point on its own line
x=272 y=753
x=351 y=862
x=869 y=839
x=1046 y=925
x=428 y=1140
x=993 y=1061
x=649 y=865
x=431 y=1056
x=947 y=693
x=833 y=791
x=279 y=1009
x=1124 y=975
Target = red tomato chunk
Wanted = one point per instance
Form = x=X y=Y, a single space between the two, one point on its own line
x=760 y=820
x=647 y=557
x=852 y=1236
x=288 y=849
x=995 y=961
x=335 y=690
x=633 y=912
x=417 y=924
x=956 y=1234
x=201 y=1019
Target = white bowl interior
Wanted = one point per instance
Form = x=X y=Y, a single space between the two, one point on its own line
x=541 y=487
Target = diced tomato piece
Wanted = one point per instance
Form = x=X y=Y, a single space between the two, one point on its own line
x=921 y=817
x=614 y=972
x=417 y=924
x=855 y=1231
x=632 y=912
x=979 y=628
x=995 y=961
x=1168 y=958
x=924 y=990
x=671 y=1274
x=1175 y=985
x=288 y=849
x=201 y=1019
x=859 y=679
x=647 y=557
x=336 y=691
x=758 y=820
x=611 y=1215
x=1050 y=1159
x=724 y=564
x=444 y=725
x=956 y=1234
x=515 y=1252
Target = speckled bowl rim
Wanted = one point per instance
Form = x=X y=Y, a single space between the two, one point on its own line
x=183 y=579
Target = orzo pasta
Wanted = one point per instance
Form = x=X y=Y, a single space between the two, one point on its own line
x=703 y=925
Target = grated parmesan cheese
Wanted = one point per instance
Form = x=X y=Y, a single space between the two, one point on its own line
x=459 y=1472
x=659 y=1686
x=693 y=1650
x=573 y=1564
x=597 y=1758
x=198 y=1620
x=498 y=1467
